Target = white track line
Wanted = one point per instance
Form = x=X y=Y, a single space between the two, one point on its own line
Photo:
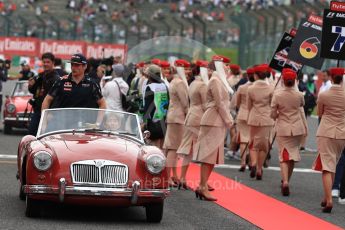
x=304 y=170
x=8 y=156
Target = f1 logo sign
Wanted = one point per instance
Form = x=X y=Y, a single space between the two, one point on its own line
x=338 y=44
x=330 y=15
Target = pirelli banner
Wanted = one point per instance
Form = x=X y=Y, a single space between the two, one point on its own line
x=333 y=32
x=279 y=59
x=306 y=46
x=33 y=47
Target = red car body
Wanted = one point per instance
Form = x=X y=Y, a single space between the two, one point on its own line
x=70 y=150
x=17 y=109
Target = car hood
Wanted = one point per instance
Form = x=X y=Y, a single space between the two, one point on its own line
x=70 y=147
x=20 y=103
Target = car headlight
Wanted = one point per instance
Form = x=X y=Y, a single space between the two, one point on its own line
x=42 y=160
x=155 y=163
x=11 y=108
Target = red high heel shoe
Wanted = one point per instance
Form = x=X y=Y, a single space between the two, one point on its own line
x=183 y=185
x=285 y=190
x=242 y=169
x=259 y=176
x=210 y=188
x=252 y=172
x=327 y=209
x=199 y=194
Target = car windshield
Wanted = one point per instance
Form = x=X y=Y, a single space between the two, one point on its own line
x=89 y=120
x=21 y=89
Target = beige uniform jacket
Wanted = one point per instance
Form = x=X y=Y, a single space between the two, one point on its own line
x=218 y=105
x=286 y=109
x=331 y=109
x=241 y=101
x=233 y=80
x=178 y=103
x=259 y=104
x=197 y=98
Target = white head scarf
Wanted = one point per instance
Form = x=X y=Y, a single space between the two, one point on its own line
x=181 y=73
x=204 y=75
x=222 y=76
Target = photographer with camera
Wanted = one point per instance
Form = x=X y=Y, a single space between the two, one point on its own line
x=4 y=67
x=39 y=86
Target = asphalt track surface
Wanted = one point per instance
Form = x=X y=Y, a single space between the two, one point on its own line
x=182 y=209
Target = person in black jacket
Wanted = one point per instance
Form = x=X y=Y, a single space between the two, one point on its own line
x=39 y=86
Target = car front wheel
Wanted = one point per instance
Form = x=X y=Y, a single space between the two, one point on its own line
x=7 y=129
x=22 y=195
x=154 y=212
x=33 y=207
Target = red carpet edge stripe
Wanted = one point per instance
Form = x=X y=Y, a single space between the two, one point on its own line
x=255 y=207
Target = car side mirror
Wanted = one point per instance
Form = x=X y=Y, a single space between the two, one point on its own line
x=146 y=135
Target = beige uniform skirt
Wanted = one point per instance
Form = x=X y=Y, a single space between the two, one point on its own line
x=173 y=136
x=210 y=145
x=189 y=139
x=329 y=150
x=242 y=132
x=289 y=148
x=259 y=137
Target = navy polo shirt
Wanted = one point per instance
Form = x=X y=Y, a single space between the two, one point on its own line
x=67 y=93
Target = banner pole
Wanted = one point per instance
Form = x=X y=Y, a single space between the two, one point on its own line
x=338 y=63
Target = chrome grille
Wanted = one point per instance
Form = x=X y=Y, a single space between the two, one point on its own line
x=85 y=173
x=99 y=172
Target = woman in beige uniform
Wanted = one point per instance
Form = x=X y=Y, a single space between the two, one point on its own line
x=197 y=97
x=259 y=120
x=242 y=116
x=286 y=109
x=330 y=134
x=178 y=108
x=209 y=149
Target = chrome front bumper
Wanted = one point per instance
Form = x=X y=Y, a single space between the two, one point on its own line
x=133 y=193
x=24 y=119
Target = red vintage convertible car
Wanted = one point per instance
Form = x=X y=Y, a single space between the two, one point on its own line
x=17 y=109
x=91 y=157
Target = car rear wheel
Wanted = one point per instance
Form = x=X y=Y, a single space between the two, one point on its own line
x=154 y=212
x=7 y=129
x=33 y=207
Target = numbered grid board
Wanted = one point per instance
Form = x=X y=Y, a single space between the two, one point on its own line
x=306 y=46
x=333 y=35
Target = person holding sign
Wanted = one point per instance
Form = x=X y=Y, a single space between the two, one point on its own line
x=286 y=110
x=330 y=134
x=259 y=120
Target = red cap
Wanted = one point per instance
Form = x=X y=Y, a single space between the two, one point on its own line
x=260 y=69
x=235 y=67
x=220 y=58
x=182 y=63
x=268 y=68
x=250 y=71
x=287 y=70
x=336 y=71
x=201 y=63
x=155 y=61
x=140 y=64
x=289 y=75
x=164 y=64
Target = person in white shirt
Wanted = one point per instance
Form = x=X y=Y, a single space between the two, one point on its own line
x=326 y=82
x=113 y=88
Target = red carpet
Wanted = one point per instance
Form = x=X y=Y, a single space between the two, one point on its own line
x=255 y=207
